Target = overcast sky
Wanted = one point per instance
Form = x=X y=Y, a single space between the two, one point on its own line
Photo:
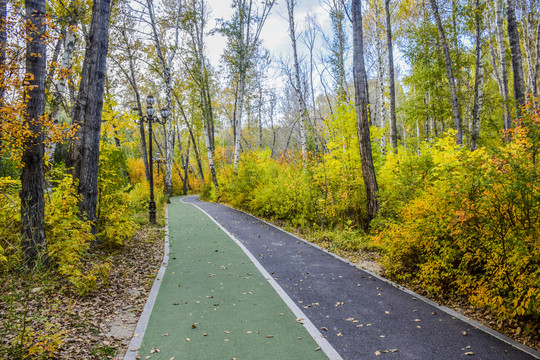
x=275 y=32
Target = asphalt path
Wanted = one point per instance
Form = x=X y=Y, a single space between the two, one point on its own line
x=360 y=314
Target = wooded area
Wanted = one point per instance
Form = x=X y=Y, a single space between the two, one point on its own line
x=389 y=128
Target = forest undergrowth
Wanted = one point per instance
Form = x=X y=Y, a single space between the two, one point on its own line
x=64 y=308
x=459 y=226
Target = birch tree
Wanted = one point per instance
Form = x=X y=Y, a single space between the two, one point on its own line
x=243 y=33
x=449 y=72
x=361 y=102
x=515 y=51
x=196 y=23
x=478 y=77
x=503 y=87
x=392 y=87
x=166 y=55
x=297 y=84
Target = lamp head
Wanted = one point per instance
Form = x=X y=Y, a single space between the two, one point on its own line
x=150 y=100
x=150 y=111
x=165 y=112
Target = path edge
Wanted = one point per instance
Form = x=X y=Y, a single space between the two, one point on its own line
x=319 y=338
x=526 y=349
x=138 y=334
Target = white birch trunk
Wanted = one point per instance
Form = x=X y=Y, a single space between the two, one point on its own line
x=298 y=88
x=238 y=120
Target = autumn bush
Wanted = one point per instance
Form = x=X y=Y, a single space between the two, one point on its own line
x=69 y=237
x=10 y=220
x=462 y=225
x=115 y=225
x=471 y=230
x=327 y=192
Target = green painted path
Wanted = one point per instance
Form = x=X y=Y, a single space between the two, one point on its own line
x=213 y=302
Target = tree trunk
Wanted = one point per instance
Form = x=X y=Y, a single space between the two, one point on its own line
x=33 y=244
x=3 y=43
x=89 y=107
x=298 y=88
x=378 y=117
x=206 y=101
x=515 y=50
x=478 y=79
x=169 y=137
x=238 y=121
x=132 y=79
x=192 y=137
x=368 y=170
x=507 y=119
x=166 y=69
x=449 y=73
x=393 y=123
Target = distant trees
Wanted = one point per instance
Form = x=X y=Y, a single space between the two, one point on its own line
x=243 y=33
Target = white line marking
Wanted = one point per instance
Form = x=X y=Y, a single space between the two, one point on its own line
x=312 y=330
x=136 y=341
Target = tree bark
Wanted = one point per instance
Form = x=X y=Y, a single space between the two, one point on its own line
x=298 y=87
x=89 y=107
x=478 y=78
x=3 y=43
x=507 y=119
x=392 y=90
x=449 y=73
x=167 y=77
x=33 y=244
x=368 y=170
x=132 y=79
x=515 y=51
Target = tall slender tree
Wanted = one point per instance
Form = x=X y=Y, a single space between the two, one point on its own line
x=515 y=51
x=88 y=109
x=449 y=72
x=243 y=33
x=166 y=55
x=3 y=43
x=32 y=176
x=196 y=23
x=507 y=119
x=392 y=88
x=361 y=102
x=478 y=77
x=297 y=84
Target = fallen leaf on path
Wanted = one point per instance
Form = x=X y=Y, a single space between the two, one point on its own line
x=469 y=353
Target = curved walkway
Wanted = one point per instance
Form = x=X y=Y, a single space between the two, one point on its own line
x=236 y=287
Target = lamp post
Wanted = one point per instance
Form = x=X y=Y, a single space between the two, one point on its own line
x=150 y=118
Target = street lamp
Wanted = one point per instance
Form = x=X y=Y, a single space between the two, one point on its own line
x=150 y=118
